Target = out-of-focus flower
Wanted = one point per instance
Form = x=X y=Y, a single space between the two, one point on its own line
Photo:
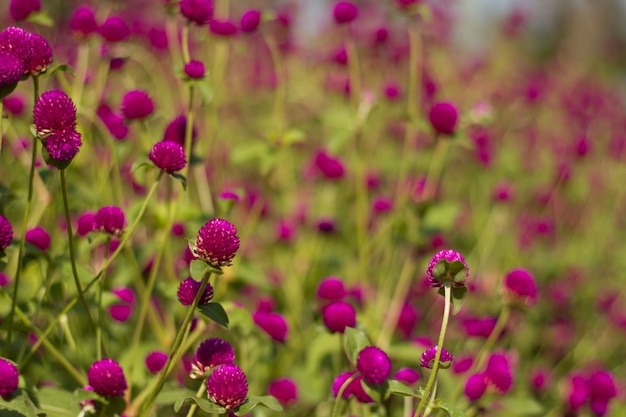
x=111 y=220
x=250 y=21
x=137 y=104
x=38 y=237
x=194 y=70
x=114 y=29
x=339 y=315
x=155 y=361
x=520 y=286
x=331 y=289
x=21 y=9
x=199 y=12
x=274 y=324
x=6 y=233
x=284 y=390
x=475 y=386
x=222 y=27
x=443 y=118
x=345 y=12
x=499 y=373
x=408 y=376
x=83 y=21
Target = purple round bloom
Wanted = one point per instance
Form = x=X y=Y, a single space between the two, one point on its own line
x=188 y=289
x=120 y=312
x=329 y=166
x=6 y=233
x=155 y=361
x=125 y=294
x=13 y=104
x=17 y=41
x=578 y=393
x=222 y=27
x=9 y=377
x=602 y=386
x=284 y=390
x=110 y=219
x=427 y=360
x=21 y=9
x=498 y=372
x=175 y=131
x=199 y=12
x=338 y=383
x=39 y=238
x=442 y=268
x=475 y=387
x=83 y=21
x=168 y=156
x=194 y=70
x=520 y=285
x=339 y=315
x=374 y=365
x=331 y=289
x=250 y=21
x=345 y=12
x=114 y=29
x=443 y=117
x=106 y=377
x=85 y=223
x=4 y=280
x=41 y=56
x=227 y=386
x=137 y=104
x=274 y=324
x=55 y=121
x=599 y=407
x=11 y=71
x=211 y=353
x=408 y=376
x=217 y=243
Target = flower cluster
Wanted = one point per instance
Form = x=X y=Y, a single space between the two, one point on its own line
x=55 y=122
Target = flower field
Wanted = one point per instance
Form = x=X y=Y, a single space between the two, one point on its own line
x=226 y=208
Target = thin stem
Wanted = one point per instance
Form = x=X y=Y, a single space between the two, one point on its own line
x=189 y=130
x=194 y=406
x=185 y=43
x=436 y=168
x=503 y=318
x=354 y=70
x=99 y=341
x=1 y=118
x=175 y=351
x=343 y=387
x=70 y=239
x=442 y=334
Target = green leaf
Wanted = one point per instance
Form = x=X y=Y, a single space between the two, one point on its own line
x=293 y=136
x=19 y=403
x=215 y=312
x=180 y=178
x=355 y=341
x=61 y=68
x=378 y=393
x=258 y=400
x=203 y=403
x=450 y=409
x=197 y=269
x=172 y=395
x=398 y=388
x=137 y=165
x=458 y=294
x=41 y=18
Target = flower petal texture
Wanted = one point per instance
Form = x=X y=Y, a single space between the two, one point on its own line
x=227 y=386
x=168 y=156
x=374 y=365
x=55 y=122
x=106 y=377
x=9 y=377
x=217 y=242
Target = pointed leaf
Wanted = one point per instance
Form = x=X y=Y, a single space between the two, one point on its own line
x=203 y=403
x=180 y=178
x=458 y=294
x=197 y=269
x=378 y=393
x=355 y=341
x=137 y=165
x=215 y=312
x=450 y=409
x=258 y=400
x=398 y=388
x=19 y=403
x=61 y=68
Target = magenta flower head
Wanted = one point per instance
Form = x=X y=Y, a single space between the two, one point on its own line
x=217 y=243
x=106 y=377
x=9 y=377
x=602 y=386
x=111 y=220
x=168 y=156
x=17 y=41
x=222 y=28
x=250 y=21
x=329 y=166
x=41 y=56
x=21 y=9
x=211 y=353
x=227 y=386
x=498 y=372
x=188 y=289
x=284 y=390
x=194 y=70
x=85 y=223
x=475 y=387
x=578 y=394
x=83 y=21
x=520 y=286
x=175 y=131
x=39 y=238
x=408 y=376
x=339 y=315
x=345 y=12
x=137 y=104
x=374 y=365
x=199 y=12
x=427 y=360
x=114 y=29
x=274 y=324
x=447 y=265
x=11 y=71
x=155 y=361
x=55 y=121
x=443 y=118
x=6 y=233
x=331 y=289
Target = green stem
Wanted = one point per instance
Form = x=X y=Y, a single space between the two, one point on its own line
x=343 y=387
x=175 y=351
x=99 y=341
x=185 y=44
x=194 y=406
x=1 y=119
x=354 y=70
x=436 y=168
x=189 y=130
x=444 y=326
x=70 y=239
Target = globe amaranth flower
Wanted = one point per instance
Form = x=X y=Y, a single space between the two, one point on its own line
x=331 y=289
x=14 y=104
x=284 y=390
x=427 y=359
x=38 y=237
x=6 y=233
x=374 y=365
x=175 y=131
x=217 y=243
x=110 y=219
x=41 y=56
x=227 y=386
x=85 y=223
x=11 y=71
x=168 y=156
x=407 y=376
x=498 y=372
x=106 y=377
x=354 y=388
x=114 y=29
x=475 y=386
x=330 y=167
x=194 y=70
x=55 y=122
x=250 y=21
x=345 y=12
x=222 y=27
x=137 y=104
x=519 y=285
x=17 y=41
x=447 y=265
x=274 y=324
x=83 y=21
x=199 y=12
x=211 y=353
x=21 y=9
x=339 y=315
x=188 y=289
x=9 y=377
x=155 y=361
x=443 y=118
